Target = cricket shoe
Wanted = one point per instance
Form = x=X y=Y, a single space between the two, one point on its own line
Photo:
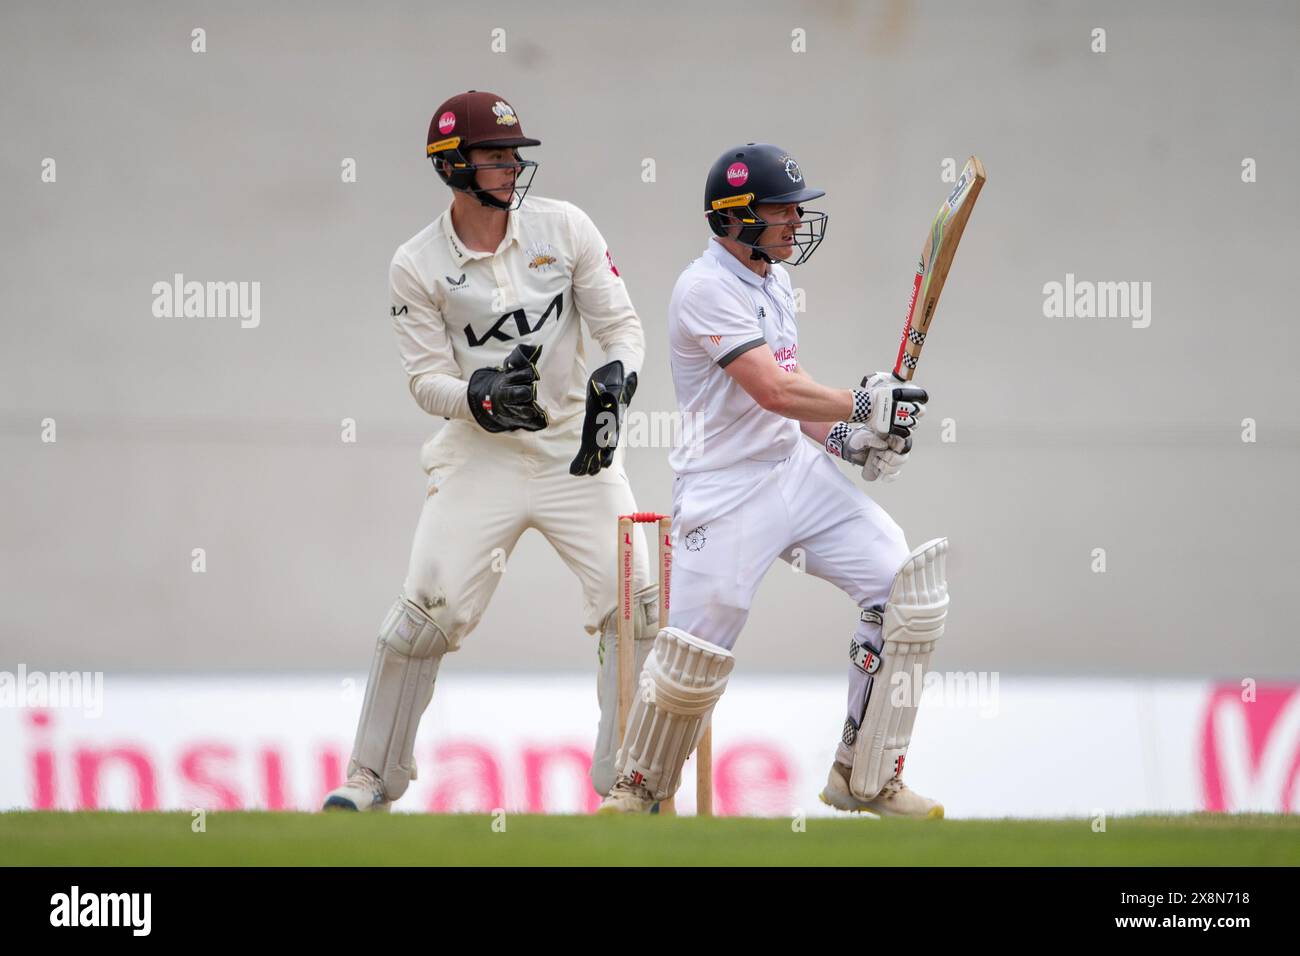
x=363 y=791
x=895 y=799
x=626 y=796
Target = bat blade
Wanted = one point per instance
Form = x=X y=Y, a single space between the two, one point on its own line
x=932 y=268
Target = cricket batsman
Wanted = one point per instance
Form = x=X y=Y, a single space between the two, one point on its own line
x=488 y=303
x=749 y=489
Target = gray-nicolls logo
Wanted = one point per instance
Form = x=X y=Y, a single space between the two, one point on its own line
x=75 y=908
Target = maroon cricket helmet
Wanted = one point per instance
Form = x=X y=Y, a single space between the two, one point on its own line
x=478 y=120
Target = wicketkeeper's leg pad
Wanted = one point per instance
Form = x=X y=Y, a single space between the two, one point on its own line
x=645 y=629
x=410 y=648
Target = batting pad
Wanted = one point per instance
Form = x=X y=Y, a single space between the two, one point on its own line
x=913 y=620
x=681 y=682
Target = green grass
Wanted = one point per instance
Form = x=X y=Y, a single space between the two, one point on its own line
x=241 y=839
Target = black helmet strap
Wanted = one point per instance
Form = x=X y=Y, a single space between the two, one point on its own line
x=462 y=175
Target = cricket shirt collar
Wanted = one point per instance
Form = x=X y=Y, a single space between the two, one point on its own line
x=733 y=265
x=461 y=253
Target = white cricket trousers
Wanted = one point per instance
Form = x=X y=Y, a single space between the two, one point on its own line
x=484 y=491
x=731 y=524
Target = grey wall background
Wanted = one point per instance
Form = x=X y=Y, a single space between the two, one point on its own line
x=1071 y=434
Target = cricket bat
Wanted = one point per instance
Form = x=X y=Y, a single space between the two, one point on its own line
x=932 y=269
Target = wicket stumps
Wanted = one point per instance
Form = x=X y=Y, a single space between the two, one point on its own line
x=627 y=675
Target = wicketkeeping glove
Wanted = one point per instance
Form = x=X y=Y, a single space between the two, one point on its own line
x=608 y=392
x=504 y=398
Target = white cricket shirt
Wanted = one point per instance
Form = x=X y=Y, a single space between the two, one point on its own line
x=456 y=310
x=720 y=310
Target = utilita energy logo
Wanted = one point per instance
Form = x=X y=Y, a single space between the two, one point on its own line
x=1250 y=750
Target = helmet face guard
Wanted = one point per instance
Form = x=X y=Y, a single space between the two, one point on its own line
x=739 y=210
x=455 y=169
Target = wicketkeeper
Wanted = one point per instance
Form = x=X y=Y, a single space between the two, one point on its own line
x=489 y=302
x=750 y=489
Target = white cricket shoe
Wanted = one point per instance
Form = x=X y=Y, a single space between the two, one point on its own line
x=895 y=800
x=627 y=797
x=363 y=791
